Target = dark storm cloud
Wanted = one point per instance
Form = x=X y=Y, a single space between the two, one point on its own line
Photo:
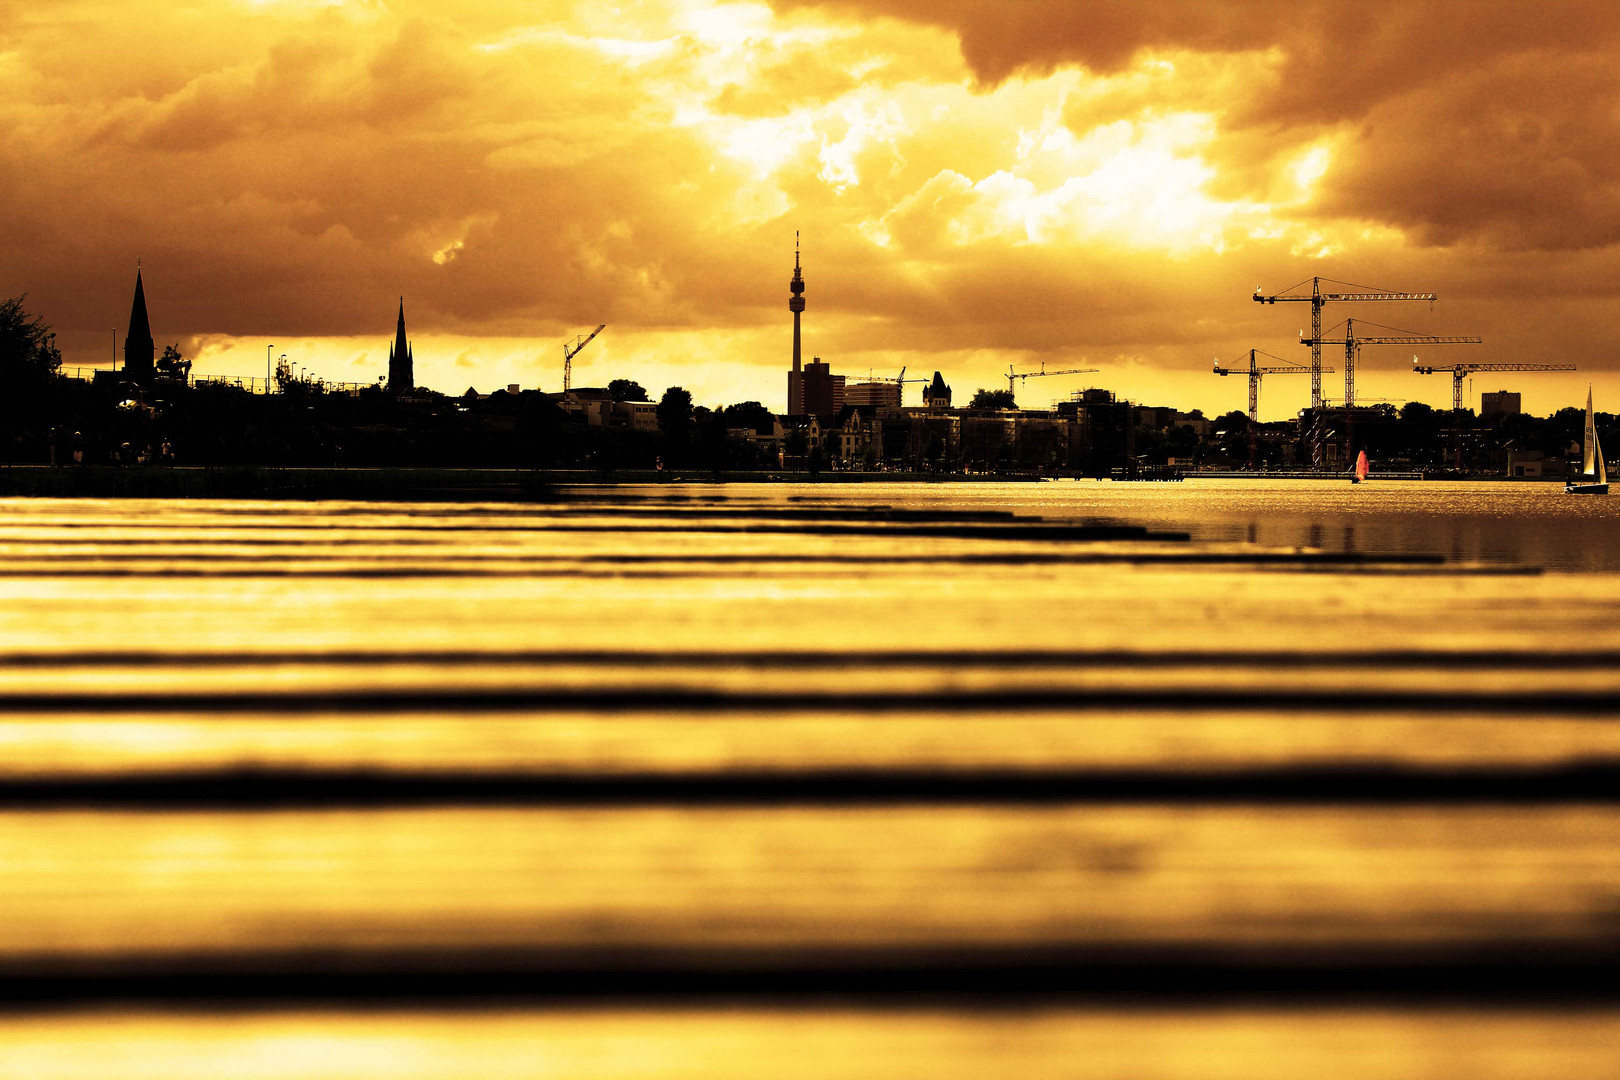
x=972 y=180
x=1494 y=123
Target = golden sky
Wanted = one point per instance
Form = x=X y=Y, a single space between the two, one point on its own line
x=978 y=183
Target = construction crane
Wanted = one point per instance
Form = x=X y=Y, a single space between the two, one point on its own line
x=1012 y=375
x=570 y=350
x=1254 y=373
x=1459 y=372
x=1352 y=349
x=1317 y=298
x=901 y=380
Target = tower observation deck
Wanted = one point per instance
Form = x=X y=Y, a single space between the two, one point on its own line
x=795 y=400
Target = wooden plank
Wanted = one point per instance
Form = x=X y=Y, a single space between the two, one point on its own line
x=566 y=885
x=694 y=744
x=1061 y=1043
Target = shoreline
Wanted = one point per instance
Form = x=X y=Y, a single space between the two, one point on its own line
x=394 y=482
x=474 y=484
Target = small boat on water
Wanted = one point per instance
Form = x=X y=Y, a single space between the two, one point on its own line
x=1594 y=478
x=1360 y=472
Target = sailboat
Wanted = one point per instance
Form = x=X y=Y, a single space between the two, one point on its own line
x=1594 y=478
x=1361 y=468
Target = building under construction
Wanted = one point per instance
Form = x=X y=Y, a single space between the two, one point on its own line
x=875 y=392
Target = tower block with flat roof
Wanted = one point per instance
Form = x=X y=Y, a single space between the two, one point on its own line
x=796 y=305
x=139 y=352
x=401 y=365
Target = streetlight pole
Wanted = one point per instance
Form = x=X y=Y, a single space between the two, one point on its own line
x=267 y=351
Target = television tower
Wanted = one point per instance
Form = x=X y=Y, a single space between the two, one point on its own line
x=796 y=305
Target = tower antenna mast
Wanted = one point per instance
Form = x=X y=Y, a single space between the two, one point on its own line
x=796 y=305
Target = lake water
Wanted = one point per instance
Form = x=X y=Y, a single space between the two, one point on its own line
x=1232 y=778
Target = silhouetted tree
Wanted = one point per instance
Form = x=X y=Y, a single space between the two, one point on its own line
x=748 y=414
x=675 y=421
x=540 y=430
x=1150 y=443
x=714 y=450
x=1180 y=440
x=28 y=352
x=626 y=390
x=1417 y=414
x=1232 y=434
x=1564 y=429
x=992 y=399
x=796 y=443
x=171 y=365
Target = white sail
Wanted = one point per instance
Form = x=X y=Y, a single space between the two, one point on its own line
x=1597 y=456
x=1589 y=453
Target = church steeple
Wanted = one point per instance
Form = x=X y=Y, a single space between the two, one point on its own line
x=401 y=364
x=139 y=352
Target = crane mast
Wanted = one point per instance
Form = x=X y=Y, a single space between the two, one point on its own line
x=1459 y=372
x=1255 y=373
x=900 y=384
x=571 y=350
x=1352 y=349
x=1317 y=299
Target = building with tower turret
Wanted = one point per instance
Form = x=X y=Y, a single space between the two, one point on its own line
x=937 y=395
x=401 y=364
x=139 y=352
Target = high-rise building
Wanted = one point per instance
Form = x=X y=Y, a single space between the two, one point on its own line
x=1501 y=403
x=401 y=364
x=139 y=352
x=796 y=305
x=821 y=392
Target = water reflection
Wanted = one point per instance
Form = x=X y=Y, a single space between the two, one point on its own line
x=1497 y=521
x=814 y=735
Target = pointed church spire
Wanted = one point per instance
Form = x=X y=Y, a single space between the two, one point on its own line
x=401 y=373
x=139 y=351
